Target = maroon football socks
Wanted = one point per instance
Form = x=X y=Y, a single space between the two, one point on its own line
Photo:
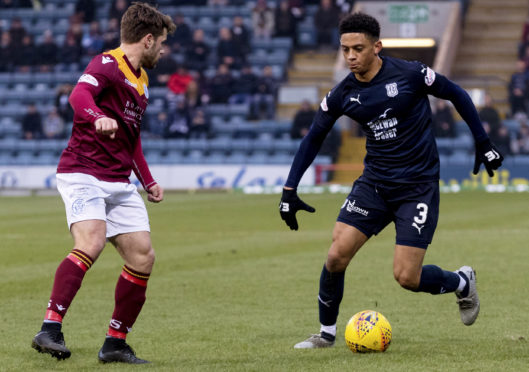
x=68 y=279
x=130 y=296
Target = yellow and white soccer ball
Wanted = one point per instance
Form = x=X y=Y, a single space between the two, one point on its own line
x=368 y=331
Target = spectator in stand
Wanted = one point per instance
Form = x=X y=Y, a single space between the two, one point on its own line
x=490 y=117
x=302 y=120
x=244 y=87
x=443 y=120
x=220 y=85
x=118 y=8
x=7 y=4
x=47 y=52
x=85 y=10
x=53 y=125
x=179 y=81
x=503 y=140
x=179 y=121
x=326 y=23
x=297 y=8
x=70 y=54
x=265 y=96
x=285 y=21
x=64 y=109
x=159 y=77
x=229 y=52
x=193 y=94
x=200 y=125
x=92 y=41
x=75 y=31
x=158 y=127
x=111 y=35
x=24 y=55
x=262 y=20
x=520 y=145
x=32 y=123
x=331 y=146
x=524 y=43
x=198 y=52
x=518 y=88
x=6 y=52
x=17 y=31
x=181 y=39
x=17 y=4
x=241 y=36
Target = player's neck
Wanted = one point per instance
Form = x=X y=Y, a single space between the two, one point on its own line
x=133 y=53
x=367 y=76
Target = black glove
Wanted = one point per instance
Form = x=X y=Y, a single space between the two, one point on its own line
x=489 y=155
x=289 y=205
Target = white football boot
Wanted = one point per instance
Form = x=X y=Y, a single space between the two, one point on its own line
x=469 y=305
x=314 y=342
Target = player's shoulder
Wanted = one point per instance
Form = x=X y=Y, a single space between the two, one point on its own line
x=403 y=65
x=333 y=100
x=413 y=70
x=103 y=62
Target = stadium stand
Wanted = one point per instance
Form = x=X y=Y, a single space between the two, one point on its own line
x=237 y=133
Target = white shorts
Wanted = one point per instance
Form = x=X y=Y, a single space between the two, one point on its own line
x=118 y=203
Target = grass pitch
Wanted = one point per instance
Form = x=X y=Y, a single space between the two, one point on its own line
x=234 y=289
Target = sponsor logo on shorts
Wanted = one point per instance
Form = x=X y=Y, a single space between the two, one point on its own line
x=351 y=207
x=78 y=206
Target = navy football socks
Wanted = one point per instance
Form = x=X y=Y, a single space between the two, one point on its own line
x=330 y=295
x=435 y=280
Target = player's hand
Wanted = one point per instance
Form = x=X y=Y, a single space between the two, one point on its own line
x=155 y=194
x=289 y=205
x=106 y=126
x=489 y=155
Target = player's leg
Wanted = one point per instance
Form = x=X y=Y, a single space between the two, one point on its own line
x=346 y=241
x=362 y=215
x=415 y=223
x=128 y=231
x=85 y=213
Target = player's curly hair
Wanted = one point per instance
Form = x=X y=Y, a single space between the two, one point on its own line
x=360 y=23
x=141 y=19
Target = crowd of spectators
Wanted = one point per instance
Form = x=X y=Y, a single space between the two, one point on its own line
x=196 y=71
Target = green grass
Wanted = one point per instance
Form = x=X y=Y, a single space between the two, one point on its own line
x=233 y=289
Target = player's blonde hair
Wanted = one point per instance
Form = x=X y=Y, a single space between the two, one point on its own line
x=141 y=19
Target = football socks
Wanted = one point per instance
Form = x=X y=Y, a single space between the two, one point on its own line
x=68 y=279
x=130 y=297
x=435 y=280
x=330 y=296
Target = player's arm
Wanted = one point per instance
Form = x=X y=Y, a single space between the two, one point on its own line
x=83 y=98
x=141 y=170
x=308 y=149
x=486 y=152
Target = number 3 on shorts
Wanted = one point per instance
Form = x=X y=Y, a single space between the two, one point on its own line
x=423 y=213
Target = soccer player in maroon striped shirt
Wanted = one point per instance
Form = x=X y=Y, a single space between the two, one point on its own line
x=109 y=102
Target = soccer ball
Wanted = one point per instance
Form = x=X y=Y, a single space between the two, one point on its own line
x=368 y=331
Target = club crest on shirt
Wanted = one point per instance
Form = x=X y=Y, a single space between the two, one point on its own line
x=391 y=89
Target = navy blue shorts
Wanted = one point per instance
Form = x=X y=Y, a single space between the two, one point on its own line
x=414 y=208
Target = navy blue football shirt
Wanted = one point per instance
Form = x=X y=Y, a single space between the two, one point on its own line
x=394 y=113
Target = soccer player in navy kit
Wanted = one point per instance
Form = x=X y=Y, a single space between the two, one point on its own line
x=400 y=182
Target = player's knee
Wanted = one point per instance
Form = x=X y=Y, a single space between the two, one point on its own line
x=407 y=280
x=148 y=258
x=336 y=261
